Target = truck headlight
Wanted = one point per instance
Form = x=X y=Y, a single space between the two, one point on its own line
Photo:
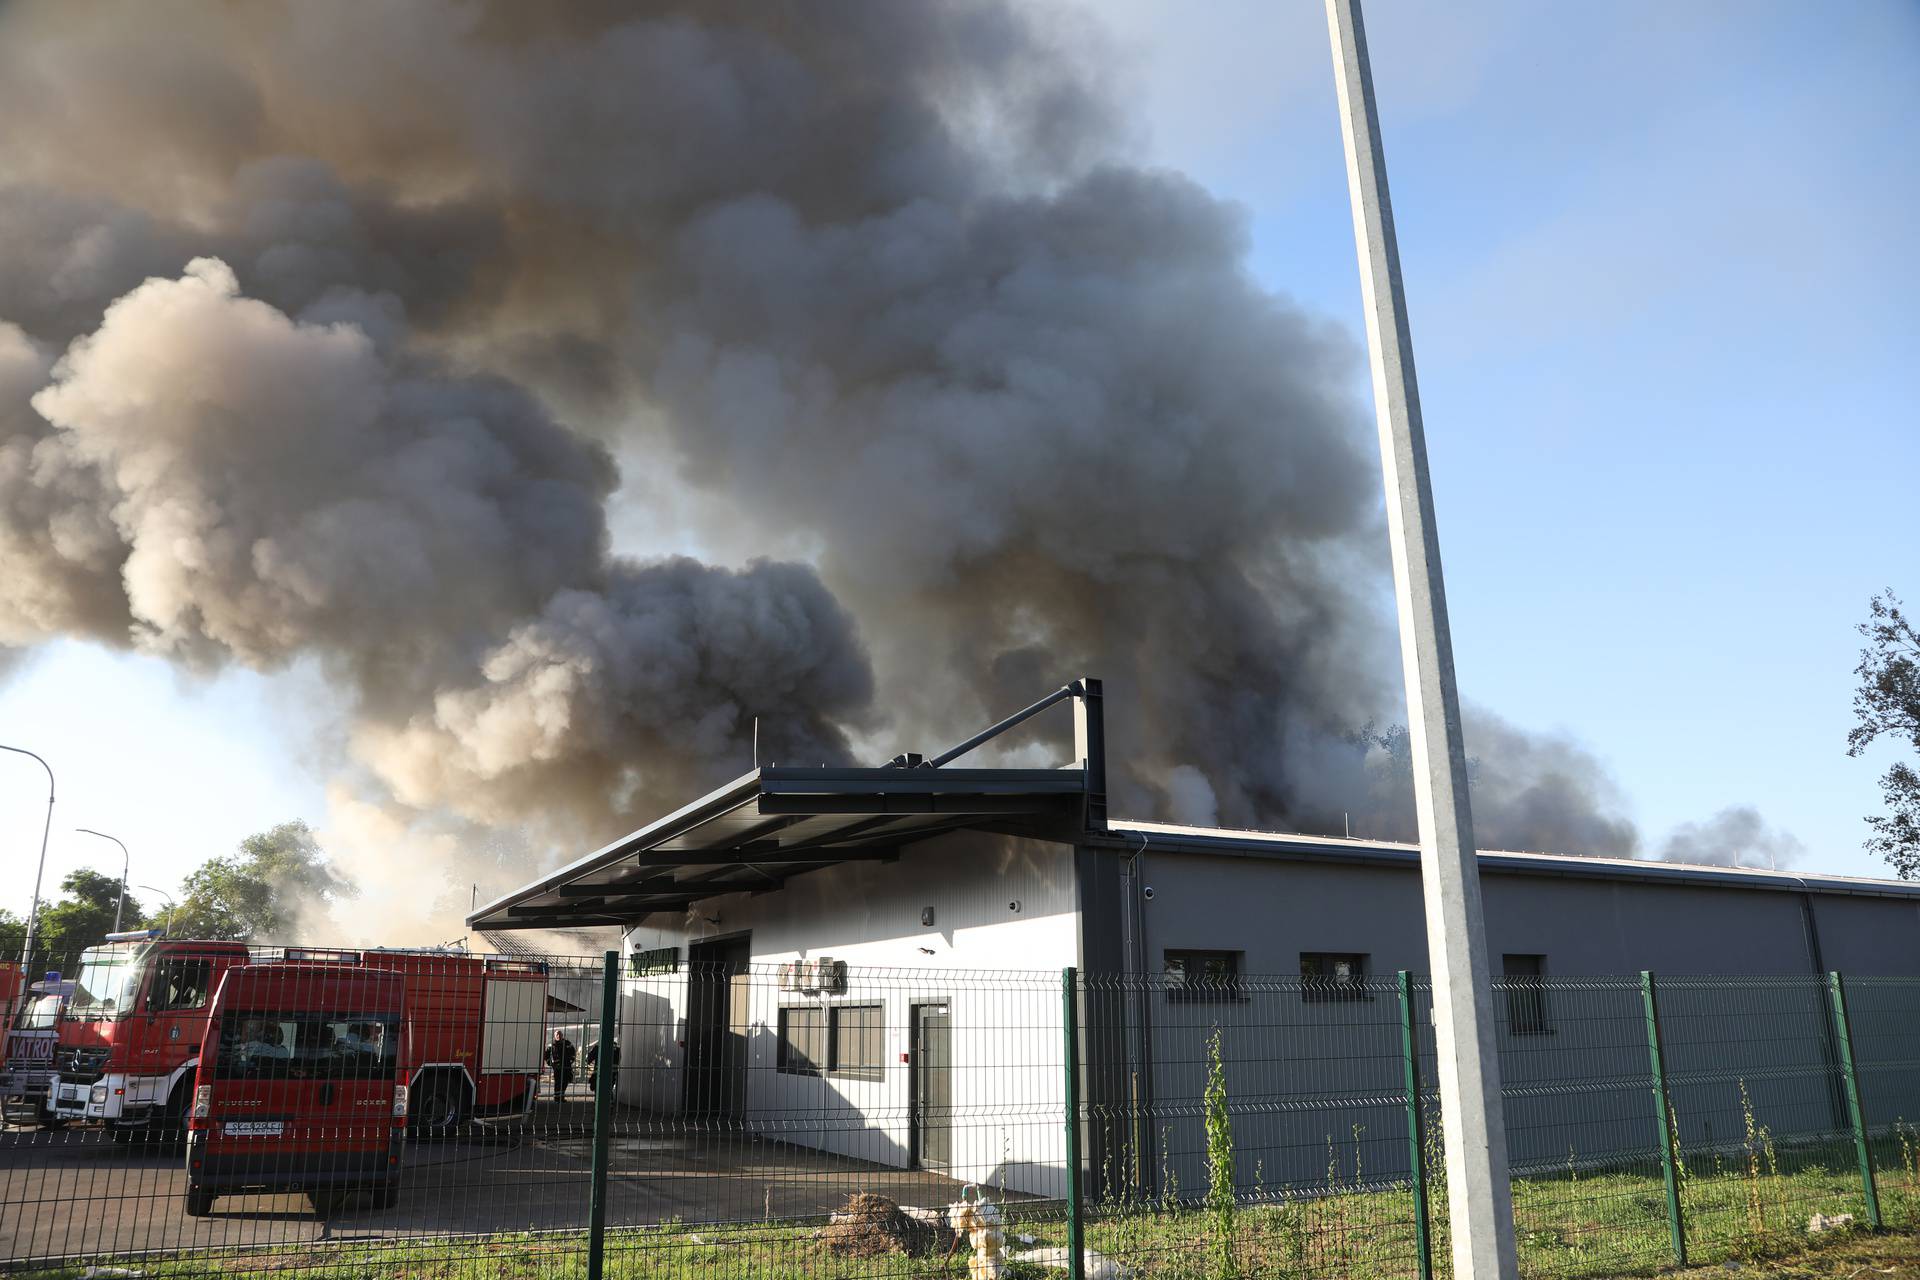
x=399 y=1102
x=202 y=1101
x=98 y=1095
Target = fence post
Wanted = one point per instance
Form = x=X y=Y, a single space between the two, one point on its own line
x=1843 y=1025
x=603 y=1082
x=1663 y=1119
x=1076 y=1222
x=1416 y=1128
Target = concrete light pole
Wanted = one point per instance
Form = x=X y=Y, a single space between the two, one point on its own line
x=33 y=915
x=1479 y=1194
x=126 y=864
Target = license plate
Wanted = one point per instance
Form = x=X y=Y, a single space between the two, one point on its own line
x=253 y=1128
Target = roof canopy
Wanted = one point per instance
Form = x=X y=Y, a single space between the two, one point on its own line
x=759 y=830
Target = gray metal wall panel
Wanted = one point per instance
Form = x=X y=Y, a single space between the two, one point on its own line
x=1274 y=910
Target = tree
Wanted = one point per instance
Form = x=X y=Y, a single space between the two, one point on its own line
x=13 y=935
x=83 y=916
x=1887 y=703
x=260 y=893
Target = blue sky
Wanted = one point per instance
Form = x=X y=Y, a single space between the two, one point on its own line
x=1661 y=267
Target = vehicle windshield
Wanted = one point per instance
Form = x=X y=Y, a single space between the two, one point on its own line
x=109 y=979
x=42 y=1014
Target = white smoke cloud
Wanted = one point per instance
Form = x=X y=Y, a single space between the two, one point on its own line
x=279 y=487
x=57 y=538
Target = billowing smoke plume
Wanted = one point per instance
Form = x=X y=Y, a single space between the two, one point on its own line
x=1736 y=837
x=1537 y=792
x=271 y=488
x=299 y=302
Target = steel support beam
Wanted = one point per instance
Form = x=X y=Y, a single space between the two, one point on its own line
x=1479 y=1194
x=1090 y=749
x=908 y=803
x=1019 y=717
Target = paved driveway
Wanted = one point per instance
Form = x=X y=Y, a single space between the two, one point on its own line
x=75 y=1193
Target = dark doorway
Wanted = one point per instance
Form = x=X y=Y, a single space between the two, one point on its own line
x=930 y=1081
x=717 y=988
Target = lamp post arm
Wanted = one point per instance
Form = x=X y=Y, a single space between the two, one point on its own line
x=126 y=866
x=33 y=915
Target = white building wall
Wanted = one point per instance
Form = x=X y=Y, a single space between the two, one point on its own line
x=1004 y=925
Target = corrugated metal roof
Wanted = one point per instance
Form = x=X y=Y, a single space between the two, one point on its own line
x=771 y=824
x=1171 y=838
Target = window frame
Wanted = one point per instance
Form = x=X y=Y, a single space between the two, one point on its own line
x=786 y=1049
x=1204 y=991
x=1527 y=1011
x=161 y=973
x=1331 y=988
x=877 y=1070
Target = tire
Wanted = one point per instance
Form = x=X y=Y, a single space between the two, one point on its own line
x=387 y=1196
x=168 y=1130
x=439 y=1109
x=199 y=1201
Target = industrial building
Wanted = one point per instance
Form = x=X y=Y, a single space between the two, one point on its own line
x=916 y=875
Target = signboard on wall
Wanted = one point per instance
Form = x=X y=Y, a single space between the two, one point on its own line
x=647 y=964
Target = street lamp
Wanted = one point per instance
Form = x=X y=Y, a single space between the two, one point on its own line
x=33 y=916
x=163 y=893
x=126 y=862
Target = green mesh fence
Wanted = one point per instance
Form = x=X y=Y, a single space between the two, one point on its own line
x=199 y=1109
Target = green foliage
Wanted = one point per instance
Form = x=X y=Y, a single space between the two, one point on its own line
x=1887 y=704
x=259 y=894
x=83 y=915
x=1220 y=1191
x=13 y=934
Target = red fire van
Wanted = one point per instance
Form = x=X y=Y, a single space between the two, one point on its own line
x=301 y=1085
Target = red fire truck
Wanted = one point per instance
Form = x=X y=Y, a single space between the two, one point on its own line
x=301 y=1085
x=130 y=1037
x=33 y=1032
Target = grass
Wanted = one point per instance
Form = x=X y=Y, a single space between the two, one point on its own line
x=1894 y=1256
x=1748 y=1207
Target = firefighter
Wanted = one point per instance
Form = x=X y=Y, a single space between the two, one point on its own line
x=593 y=1063
x=559 y=1056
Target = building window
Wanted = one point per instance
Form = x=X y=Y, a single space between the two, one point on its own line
x=1333 y=975
x=1526 y=983
x=803 y=1040
x=1203 y=975
x=858 y=1041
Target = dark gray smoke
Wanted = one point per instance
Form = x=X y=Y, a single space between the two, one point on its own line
x=877 y=280
x=1735 y=837
x=1533 y=792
